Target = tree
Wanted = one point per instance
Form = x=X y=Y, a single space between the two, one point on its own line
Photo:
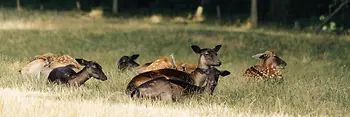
x=278 y=10
x=115 y=6
x=331 y=15
x=77 y=3
x=254 y=13
x=19 y=7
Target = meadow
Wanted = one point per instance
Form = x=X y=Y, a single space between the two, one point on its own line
x=316 y=78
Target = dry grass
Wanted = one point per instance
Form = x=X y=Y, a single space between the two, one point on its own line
x=316 y=78
x=38 y=104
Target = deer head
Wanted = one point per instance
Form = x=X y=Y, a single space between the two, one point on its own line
x=94 y=69
x=126 y=62
x=269 y=58
x=208 y=56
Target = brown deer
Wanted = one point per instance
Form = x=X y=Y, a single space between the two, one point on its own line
x=164 y=62
x=66 y=75
x=268 y=68
x=168 y=89
x=208 y=57
x=44 y=64
x=128 y=62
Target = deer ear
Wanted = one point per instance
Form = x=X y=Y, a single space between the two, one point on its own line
x=264 y=56
x=81 y=61
x=196 y=49
x=259 y=56
x=134 y=57
x=217 y=48
x=225 y=73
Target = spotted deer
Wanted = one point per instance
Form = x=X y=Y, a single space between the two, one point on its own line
x=269 y=67
x=168 y=89
x=66 y=75
x=207 y=58
x=164 y=62
x=128 y=62
x=44 y=64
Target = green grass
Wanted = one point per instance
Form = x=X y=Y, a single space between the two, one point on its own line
x=316 y=77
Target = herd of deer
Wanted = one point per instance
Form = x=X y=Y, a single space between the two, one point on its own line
x=162 y=79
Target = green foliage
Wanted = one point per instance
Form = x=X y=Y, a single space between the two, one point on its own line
x=331 y=26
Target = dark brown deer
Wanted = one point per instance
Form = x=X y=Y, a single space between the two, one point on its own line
x=164 y=89
x=65 y=75
x=269 y=67
x=128 y=62
x=208 y=57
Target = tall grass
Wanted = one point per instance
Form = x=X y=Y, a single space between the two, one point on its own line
x=316 y=77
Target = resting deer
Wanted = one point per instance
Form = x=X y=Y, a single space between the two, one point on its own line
x=44 y=64
x=164 y=62
x=268 y=68
x=165 y=89
x=127 y=62
x=65 y=75
x=207 y=58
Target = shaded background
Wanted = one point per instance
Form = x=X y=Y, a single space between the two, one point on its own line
x=281 y=12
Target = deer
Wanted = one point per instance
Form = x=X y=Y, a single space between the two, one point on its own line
x=44 y=64
x=66 y=75
x=168 y=89
x=269 y=68
x=128 y=63
x=207 y=58
x=164 y=62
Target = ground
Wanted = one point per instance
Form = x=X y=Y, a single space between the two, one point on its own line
x=316 y=77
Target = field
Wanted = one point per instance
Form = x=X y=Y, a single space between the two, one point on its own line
x=316 y=77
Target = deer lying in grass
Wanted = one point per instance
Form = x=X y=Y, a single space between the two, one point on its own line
x=268 y=68
x=208 y=57
x=44 y=64
x=127 y=62
x=164 y=62
x=66 y=75
x=164 y=89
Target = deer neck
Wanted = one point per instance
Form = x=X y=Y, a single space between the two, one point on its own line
x=199 y=78
x=80 y=78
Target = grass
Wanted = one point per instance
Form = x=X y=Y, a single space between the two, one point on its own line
x=316 y=77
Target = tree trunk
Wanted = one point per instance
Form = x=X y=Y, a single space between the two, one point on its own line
x=77 y=3
x=19 y=7
x=41 y=7
x=254 y=13
x=115 y=6
x=218 y=12
x=278 y=10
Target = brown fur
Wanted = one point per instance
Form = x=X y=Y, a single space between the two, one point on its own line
x=47 y=62
x=208 y=57
x=164 y=62
x=166 y=89
x=65 y=75
x=267 y=68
